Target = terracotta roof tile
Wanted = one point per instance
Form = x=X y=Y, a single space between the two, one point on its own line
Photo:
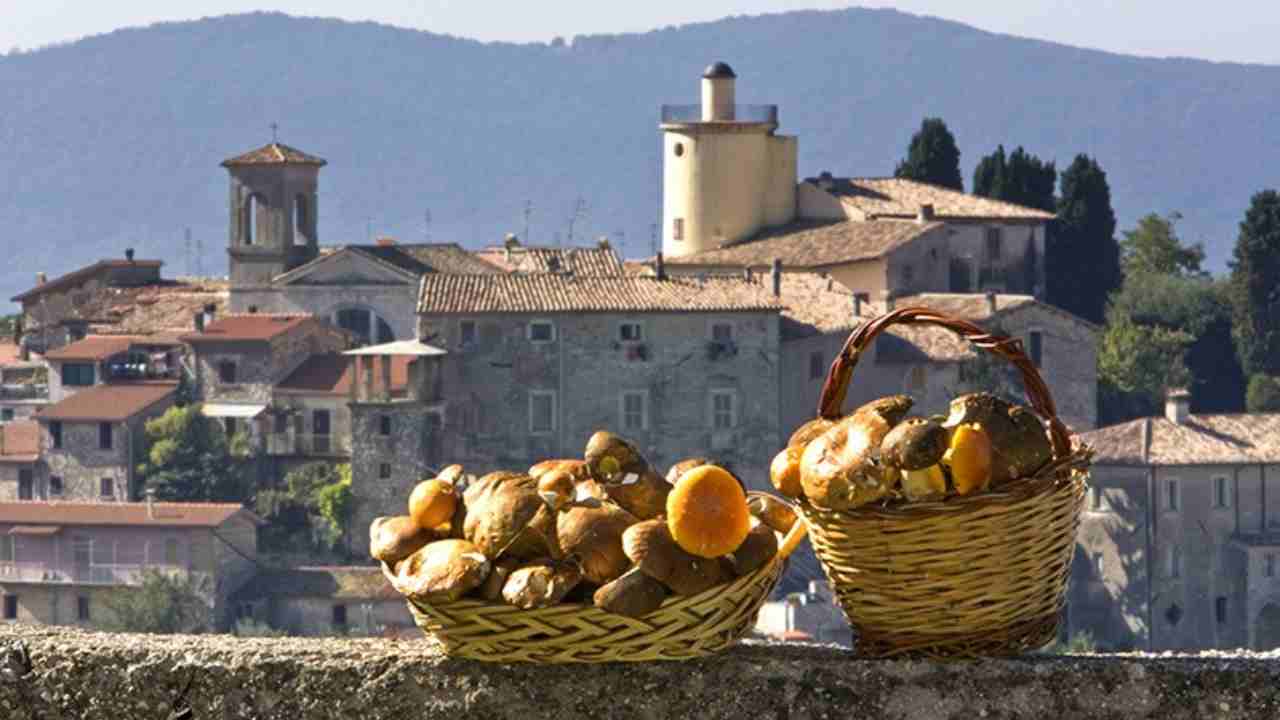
x=550 y=292
x=416 y=259
x=247 y=327
x=108 y=403
x=901 y=198
x=274 y=154
x=20 y=441
x=601 y=261
x=101 y=347
x=814 y=244
x=9 y=353
x=1200 y=440
x=331 y=374
x=120 y=513
x=160 y=308
x=71 y=278
x=349 y=582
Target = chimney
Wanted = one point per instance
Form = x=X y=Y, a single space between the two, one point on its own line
x=660 y=267
x=925 y=213
x=825 y=181
x=128 y=254
x=509 y=243
x=151 y=503
x=991 y=303
x=41 y=278
x=775 y=274
x=1177 y=406
x=385 y=241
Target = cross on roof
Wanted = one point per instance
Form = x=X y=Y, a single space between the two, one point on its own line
x=274 y=128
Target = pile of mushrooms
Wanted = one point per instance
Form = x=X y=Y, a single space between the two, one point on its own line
x=879 y=453
x=606 y=529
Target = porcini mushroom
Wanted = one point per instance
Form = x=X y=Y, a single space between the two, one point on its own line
x=650 y=546
x=914 y=448
x=634 y=594
x=756 y=550
x=540 y=584
x=491 y=588
x=392 y=539
x=442 y=571
x=594 y=536
x=432 y=503
x=772 y=512
x=500 y=508
x=840 y=469
x=684 y=466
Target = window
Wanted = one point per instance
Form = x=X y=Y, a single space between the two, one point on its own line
x=630 y=332
x=1173 y=561
x=384 y=471
x=252 y=206
x=6 y=548
x=1171 y=498
x=82 y=609
x=171 y=552
x=993 y=245
x=817 y=368
x=281 y=423
x=1220 y=609
x=340 y=615
x=227 y=371
x=6 y=414
x=77 y=374
x=55 y=433
x=1221 y=493
x=1173 y=614
x=723 y=412
x=24 y=484
x=320 y=428
x=467 y=332
x=1269 y=565
x=357 y=322
x=635 y=414
x=542 y=411
x=229 y=426
x=300 y=219
x=384 y=425
x=1035 y=346
x=107 y=487
x=55 y=485
x=678 y=149
x=104 y=436
x=10 y=607
x=677 y=229
x=722 y=332
x=542 y=331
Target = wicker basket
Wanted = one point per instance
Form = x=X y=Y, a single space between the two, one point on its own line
x=683 y=628
x=975 y=576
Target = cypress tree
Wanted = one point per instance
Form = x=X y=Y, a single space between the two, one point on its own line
x=1020 y=178
x=1082 y=256
x=932 y=156
x=1255 y=286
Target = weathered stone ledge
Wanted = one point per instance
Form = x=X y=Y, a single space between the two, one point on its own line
x=50 y=672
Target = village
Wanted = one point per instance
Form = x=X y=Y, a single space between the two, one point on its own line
x=365 y=368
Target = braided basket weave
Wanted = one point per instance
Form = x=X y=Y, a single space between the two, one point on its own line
x=973 y=576
x=682 y=628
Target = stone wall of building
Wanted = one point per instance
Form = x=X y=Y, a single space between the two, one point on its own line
x=9 y=474
x=308 y=616
x=259 y=366
x=385 y=468
x=82 y=464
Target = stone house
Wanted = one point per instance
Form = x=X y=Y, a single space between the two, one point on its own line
x=60 y=562
x=19 y=460
x=318 y=601
x=89 y=441
x=24 y=382
x=1179 y=541
x=515 y=257
x=99 y=360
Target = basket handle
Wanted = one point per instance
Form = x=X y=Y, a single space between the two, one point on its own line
x=798 y=529
x=837 y=383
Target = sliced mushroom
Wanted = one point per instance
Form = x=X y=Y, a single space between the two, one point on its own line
x=491 y=589
x=392 y=539
x=594 y=536
x=841 y=469
x=772 y=512
x=540 y=585
x=442 y=571
x=650 y=546
x=756 y=551
x=634 y=594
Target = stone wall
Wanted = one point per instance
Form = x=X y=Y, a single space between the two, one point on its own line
x=82 y=465
x=259 y=366
x=67 y=673
x=410 y=453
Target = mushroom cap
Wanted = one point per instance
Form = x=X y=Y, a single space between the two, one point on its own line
x=451 y=474
x=810 y=431
x=499 y=508
x=576 y=468
x=594 y=536
x=392 y=539
x=707 y=512
x=1019 y=441
x=784 y=471
x=839 y=470
x=772 y=512
x=541 y=584
x=444 y=570
x=892 y=408
x=642 y=494
x=633 y=594
x=610 y=458
x=756 y=550
x=685 y=466
x=969 y=458
x=650 y=546
x=432 y=503
x=557 y=487
x=914 y=444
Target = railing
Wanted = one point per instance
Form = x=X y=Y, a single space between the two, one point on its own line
x=36 y=572
x=741 y=114
x=307 y=444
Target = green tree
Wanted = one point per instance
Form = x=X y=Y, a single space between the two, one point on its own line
x=1020 y=178
x=1263 y=394
x=1255 y=286
x=1082 y=256
x=1136 y=365
x=188 y=457
x=163 y=603
x=334 y=504
x=310 y=511
x=1154 y=247
x=932 y=156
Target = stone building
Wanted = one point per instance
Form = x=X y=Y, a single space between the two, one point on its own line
x=60 y=562
x=318 y=601
x=19 y=460
x=99 y=360
x=1180 y=537
x=47 y=306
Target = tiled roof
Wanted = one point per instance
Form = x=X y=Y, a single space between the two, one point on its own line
x=350 y=582
x=63 y=281
x=101 y=347
x=816 y=305
x=108 y=403
x=331 y=374
x=901 y=198
x=120 y=513
x=247 y=327
x=1200 y=440
x=416 y=259
x=573 y=260
x=274 y=154
x=551 y=292
x=20 y=441
x=9 y=352
x=814 y=244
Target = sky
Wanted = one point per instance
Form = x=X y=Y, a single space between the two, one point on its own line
x=1224 y=30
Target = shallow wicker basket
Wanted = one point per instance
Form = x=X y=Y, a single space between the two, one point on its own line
x=963 y=577
x=683 y=628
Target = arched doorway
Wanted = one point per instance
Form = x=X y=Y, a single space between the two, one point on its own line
x=368 y=327
x=1266 y=633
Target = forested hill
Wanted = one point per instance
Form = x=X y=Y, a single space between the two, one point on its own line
x=114 y=141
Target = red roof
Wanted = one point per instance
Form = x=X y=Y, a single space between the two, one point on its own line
x=20 y=441
x=247 y=328
x=72 y=277
x=101 y=347
x=274 y=154
x=111 y=403
x=331 y=374
x=9 y=353
x=120 y=513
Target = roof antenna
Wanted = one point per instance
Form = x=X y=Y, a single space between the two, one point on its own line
x=274 y=128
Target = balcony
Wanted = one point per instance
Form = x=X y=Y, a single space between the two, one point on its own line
x=745 y=114
x=60 y=574
x=32 y=391
x=307 y=444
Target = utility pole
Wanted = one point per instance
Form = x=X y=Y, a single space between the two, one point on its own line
x=188 y=249
x=528 y=210
x=653 y=239
x=426 y=227
x=579 y=213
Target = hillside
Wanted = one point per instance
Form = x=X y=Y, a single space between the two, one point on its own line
x=114 y=141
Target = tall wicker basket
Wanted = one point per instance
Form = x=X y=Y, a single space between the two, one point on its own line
x=963 y=577
x=681 y=629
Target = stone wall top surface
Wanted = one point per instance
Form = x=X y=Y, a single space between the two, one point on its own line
x=49 y=672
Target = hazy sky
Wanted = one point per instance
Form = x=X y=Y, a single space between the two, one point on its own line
x=1227 y=30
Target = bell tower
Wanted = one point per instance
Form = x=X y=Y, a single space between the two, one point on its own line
x=273 y=212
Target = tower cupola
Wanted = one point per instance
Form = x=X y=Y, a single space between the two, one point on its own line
x=718 y=93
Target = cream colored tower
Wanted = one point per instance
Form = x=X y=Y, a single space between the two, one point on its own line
x=725 y=174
